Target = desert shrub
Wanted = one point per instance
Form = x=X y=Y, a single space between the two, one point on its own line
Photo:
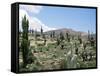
x=51 y=45
x=31 y=58
x=32 y=67
x=45 y=48
x=45 y=41
x=23 y=70
x=39 y=39
x=20 y=65
x=87 y=64
x=42 y=49
x=92 y=63
x=35 y=66
x=40 y=44
x=63 y=64
x=83 y=64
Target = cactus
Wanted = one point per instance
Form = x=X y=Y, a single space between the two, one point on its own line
x=45 y=41
x=62 y=46
x=84 y=55
x=74 y=61
x=58 y=41
x=80 y=39
x=41 y=32
x=76 y=51
x=61 y=36
x=68 y=39
x=33 y=32
x=71 y=60
x=67 y=36
x=72 y=37
x=53 y=34
x=25 y=42
x=92 y=41
x=88 y=35
x=84 y=46
x=69 y=56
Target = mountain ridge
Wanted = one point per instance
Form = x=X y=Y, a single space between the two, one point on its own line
x=66 y=30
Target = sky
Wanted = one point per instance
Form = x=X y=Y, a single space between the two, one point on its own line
x=51 y=18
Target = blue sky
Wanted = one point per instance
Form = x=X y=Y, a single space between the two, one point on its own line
x=79 y=19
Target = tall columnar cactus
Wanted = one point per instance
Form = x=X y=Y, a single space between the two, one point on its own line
x=84 y=45
x=58 y=41
x=44 y=37
x=35 y=36
x=25 y=42
x=67 y=36
x=41 y=31
x=76 y=49
x=50 y=35
x=71 y=60
x=69 y=56
x=80 y=39
x=68 y=39
x=88 y=35
x=53 y=34
x=32 y=32
x=74 y=61
x=61 y=36
x=92 y=41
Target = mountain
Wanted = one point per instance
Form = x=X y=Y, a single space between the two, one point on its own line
x=36 y=25
x=65 y=30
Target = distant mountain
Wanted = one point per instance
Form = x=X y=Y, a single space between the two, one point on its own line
x=65 y=30
x=36 y=25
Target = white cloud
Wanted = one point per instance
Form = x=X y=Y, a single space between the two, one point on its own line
x=21 y=15
x=31 y=8
x=34 y=23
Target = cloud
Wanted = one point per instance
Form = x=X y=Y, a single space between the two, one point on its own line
x=21 y=15
x=34 y=23
x=31 y=8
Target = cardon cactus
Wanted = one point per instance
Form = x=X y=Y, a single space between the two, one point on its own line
x=71 y=60
x=25 y=42
x=74 y=61
x=69 y=56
